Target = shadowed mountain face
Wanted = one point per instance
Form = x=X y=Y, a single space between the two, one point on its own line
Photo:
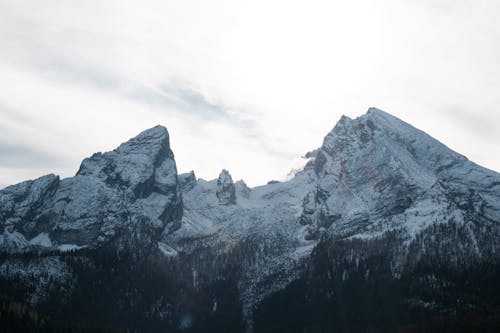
x=131 y=188
x=383 y=229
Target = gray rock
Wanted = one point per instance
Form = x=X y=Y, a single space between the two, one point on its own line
x=374 y=178
x=187 y=180
x=242 y=189
x=226 y=192
x=113 y=193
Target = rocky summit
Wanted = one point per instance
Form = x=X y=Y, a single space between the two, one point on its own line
x=129 y=190
x=385 y=229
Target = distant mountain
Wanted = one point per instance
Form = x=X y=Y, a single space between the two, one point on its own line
x=385 y=229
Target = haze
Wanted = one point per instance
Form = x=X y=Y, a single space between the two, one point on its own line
x=249 y=86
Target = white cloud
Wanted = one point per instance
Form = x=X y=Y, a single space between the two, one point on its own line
x=242 y=85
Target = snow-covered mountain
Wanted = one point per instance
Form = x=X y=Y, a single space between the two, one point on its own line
x=132 y=187
x=379 y=198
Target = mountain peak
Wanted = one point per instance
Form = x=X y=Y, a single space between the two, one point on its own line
x=134 y=186
x=143 y=163
x=226 y=191
x=157 y=131
x=151 y=140
x=187 y=180
x=385 y=201
x=377 y=130
x=375 y=110
x=225 y=176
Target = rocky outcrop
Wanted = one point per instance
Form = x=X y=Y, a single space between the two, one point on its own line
x=187 y=180
x=242 y=189
x=372 y=171
x=226 y=192
x=133 y=187
x=376 y=200
x=20 y=204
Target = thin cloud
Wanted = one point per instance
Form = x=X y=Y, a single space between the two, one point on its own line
x=478 y=122
x=78 y=76
x=15 y=155
x=179 y=97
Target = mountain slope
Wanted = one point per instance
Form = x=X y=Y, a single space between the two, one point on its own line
x=380 y=206
x=134 y=186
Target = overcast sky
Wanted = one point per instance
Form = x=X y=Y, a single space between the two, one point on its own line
x=249 y=86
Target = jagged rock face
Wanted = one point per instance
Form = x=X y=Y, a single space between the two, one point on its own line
x=377 y=187
x=19 y=203
x=142 y=165
x=133 y=187
x=242 y=188
x=374 y=179
x=376 y=172
x=226 y=192
x=187 y=180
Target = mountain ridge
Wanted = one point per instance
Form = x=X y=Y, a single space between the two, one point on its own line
x=377 y=190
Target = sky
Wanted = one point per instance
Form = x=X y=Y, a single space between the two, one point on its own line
x=249 y=86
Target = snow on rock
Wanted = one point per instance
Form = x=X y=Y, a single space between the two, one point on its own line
x=226 y=192
x=378 y=173
x=167 y=250
x=13 y=241
x=242 y=190
x=187 y=180
x=373 y=176
x=42 y=239
x=265 y=219
x=132 y=187
x=70 y=247
x=20 y=202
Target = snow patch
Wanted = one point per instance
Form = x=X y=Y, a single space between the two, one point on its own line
x=214 y=306
x=42 y=239
x=70 y=247
x=167 y=250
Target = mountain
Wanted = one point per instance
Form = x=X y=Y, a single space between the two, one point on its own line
x=385 y=228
